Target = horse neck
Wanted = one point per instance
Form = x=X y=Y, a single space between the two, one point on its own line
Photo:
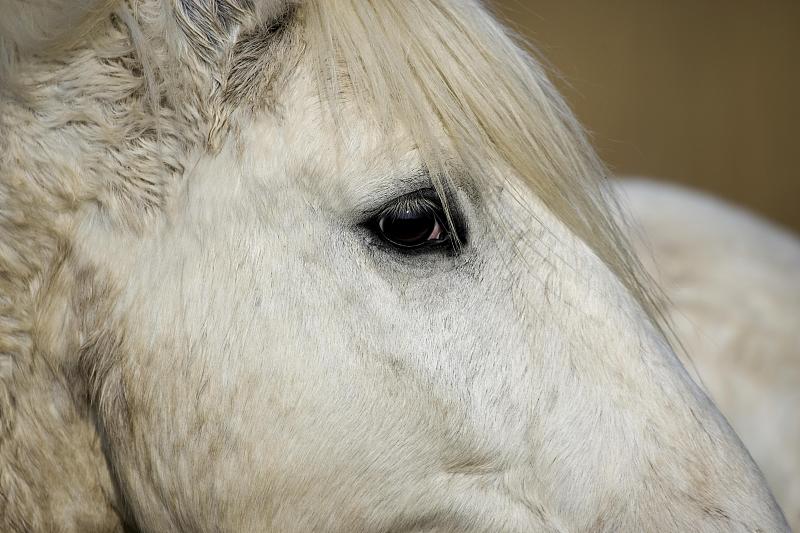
x=59 y=120
x=53 y=475
x=52 y=470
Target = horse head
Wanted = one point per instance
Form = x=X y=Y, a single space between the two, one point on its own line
x=328 y=265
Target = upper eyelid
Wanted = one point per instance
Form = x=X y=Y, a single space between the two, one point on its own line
x=378 y=191
x=415 y=200
x=427 y=193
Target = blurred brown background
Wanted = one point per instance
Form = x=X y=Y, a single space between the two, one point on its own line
x=701 y=92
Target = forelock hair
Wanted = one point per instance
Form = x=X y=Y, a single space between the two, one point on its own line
x=434 y=65
x=430 y=65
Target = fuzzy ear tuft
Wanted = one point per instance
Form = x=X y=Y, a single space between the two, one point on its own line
x=272 y=9
x=33 y=25
x=211 y=24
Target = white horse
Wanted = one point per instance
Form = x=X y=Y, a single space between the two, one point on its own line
x=326 y=265
x=733 y=283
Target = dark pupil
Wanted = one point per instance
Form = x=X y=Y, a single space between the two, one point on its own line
x=408 y=227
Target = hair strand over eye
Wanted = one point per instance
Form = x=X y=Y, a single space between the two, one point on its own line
x=413 y=221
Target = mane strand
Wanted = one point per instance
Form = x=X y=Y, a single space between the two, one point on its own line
x=406 y=62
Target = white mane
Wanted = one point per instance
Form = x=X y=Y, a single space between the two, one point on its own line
x=117 y=118
x=404 y=62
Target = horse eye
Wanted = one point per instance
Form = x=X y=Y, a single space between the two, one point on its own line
x=412 y=221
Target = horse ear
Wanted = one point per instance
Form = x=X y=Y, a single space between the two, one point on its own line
x=273 y=9
x=33 y=25
x=210 y=24
x=36 y=24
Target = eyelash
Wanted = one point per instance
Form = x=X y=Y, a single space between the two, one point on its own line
x=414 y=223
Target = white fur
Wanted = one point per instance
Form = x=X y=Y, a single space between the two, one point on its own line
x=212 y=334
x=733 y=283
